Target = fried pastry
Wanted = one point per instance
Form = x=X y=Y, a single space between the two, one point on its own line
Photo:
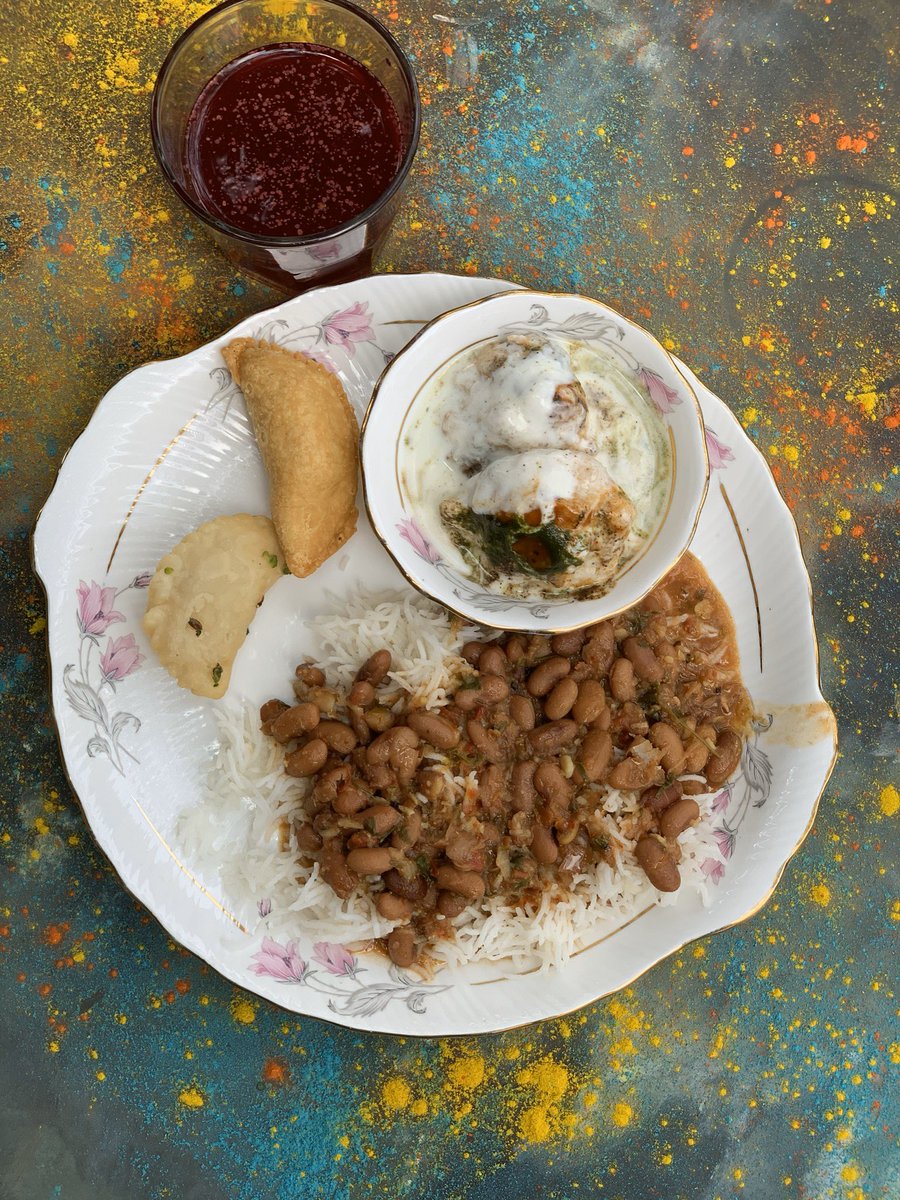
x=307 y=434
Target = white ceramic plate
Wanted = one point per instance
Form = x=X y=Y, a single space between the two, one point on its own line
x=169 y=447
x=628 y=349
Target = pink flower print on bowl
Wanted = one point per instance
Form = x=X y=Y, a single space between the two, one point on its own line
x=664 y=398
x=334 y=958
x=95 y=608
x=410 y=532
x=120 y=658
x=280 y=962
x=719 y=453
x=353 y=324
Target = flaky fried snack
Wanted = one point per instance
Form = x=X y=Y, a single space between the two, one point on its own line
x=203 y=595
x=307 y=434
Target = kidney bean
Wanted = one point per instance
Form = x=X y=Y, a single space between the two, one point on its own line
x=678 y=817
x=391 y=907
x=401 y=946
x=358 y=725
x=543 y=845
x=307 y=838
x=567 y=643
x=307 y=760
x=665 y=738
x=561 y=699
x=589 y=703
x=659 y=798
x=600 y=647
x=551 y=737
x=465 y=849
x=550 y=783
x=547 y=674
x=360 y=840
x=310 y=674
x=293 y=722
x=491 y=788
x=430 y=783
x=696 y=753
x=410 y=889
x=521 y=709
x=621 y=680
x=379 y=751
x=658 y=864
x=515 y=649
x=370 y=862
x=349 y=800
x=433 y=729
x=725 y=758
x=335 y=872
x=646 y=664
x=521 y=786
x=694 y=787
x=337 y=736
x=485 y=741
x=379 y=819
x=380 y=776
x=375 y=668
x=269 y=711
x=407 y=834
x=603 y=721
x=379 y=718
x=491 y=689
x=631 y=775
x=471 y=652
x=405 y=760
x=449 y=904
x=361 y=694
x=596 y=751
x=631 y=719
x=463 y=883
x=492 y=661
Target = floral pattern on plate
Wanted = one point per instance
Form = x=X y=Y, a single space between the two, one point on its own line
x=86 y=680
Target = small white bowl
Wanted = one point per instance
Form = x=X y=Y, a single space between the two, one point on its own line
x=577 y=318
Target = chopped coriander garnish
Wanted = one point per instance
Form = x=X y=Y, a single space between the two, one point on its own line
x=285 y=570
x=217 y=674
x=271 y=559
x=168 y=570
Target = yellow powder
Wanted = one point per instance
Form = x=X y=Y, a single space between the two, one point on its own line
x=466 y=1073
x=622 y=1114
x=548 y=1078
x=533 y=1125
x=243 y=1011
x=889 y=800
x=191 y=1097
x=395 y=1094
x=418 y=1108
x=820 y=894
x=849 y=1174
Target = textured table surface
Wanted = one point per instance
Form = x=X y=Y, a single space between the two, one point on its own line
x=723 y=172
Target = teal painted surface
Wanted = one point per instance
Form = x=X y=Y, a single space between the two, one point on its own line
x=723 y=173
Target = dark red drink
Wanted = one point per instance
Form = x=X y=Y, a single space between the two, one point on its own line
x=291 y=140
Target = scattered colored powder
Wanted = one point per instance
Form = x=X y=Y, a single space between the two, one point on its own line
x=820 y=894
x=243 y=1011
x=622 y=1114
x=466 y=1073
x=549 y=1079
x=533 y=1125
x=191 y=1097
x=889 y=800
x=395 y=1094
x=276 y=1072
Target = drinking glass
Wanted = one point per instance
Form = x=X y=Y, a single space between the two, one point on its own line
x=233 y=29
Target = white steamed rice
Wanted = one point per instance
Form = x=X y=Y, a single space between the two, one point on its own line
x=235 y=832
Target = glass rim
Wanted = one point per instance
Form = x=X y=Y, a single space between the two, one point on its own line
x=265 y=240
